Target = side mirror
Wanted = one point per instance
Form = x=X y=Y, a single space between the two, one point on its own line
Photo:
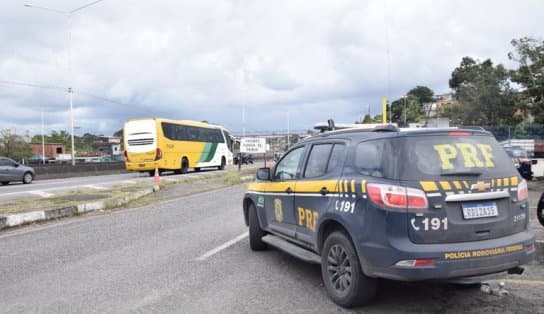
x=16 y=165
x=263 y=174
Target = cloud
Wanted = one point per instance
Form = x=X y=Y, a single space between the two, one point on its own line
x=205 y=60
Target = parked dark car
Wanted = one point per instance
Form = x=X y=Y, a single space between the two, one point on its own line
x=11 y=170
x=521 y=160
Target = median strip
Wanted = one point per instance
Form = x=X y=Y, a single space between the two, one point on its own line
x=41 y=193
x=94 y=198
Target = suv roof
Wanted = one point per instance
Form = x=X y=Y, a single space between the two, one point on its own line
x=363 y=132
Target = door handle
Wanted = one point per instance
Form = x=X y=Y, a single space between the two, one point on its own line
x=324 y=191
x=289 y=190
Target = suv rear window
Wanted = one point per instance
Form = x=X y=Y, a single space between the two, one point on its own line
x=433 y=157
x=439 y=156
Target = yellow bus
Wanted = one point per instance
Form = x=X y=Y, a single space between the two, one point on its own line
x=175 y=145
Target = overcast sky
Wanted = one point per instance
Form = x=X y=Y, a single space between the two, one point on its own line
x=205 y=60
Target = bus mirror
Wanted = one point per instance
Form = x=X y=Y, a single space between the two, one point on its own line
x=263 y=174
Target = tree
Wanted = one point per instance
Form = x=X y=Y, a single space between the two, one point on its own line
x=13 y=145
x=530 y=74
x=407 y=108
x=422 y=93
x=484 y=93
x=453 y=112
x=367 y=119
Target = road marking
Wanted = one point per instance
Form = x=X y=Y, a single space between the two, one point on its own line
x=41 y=193
x=95 y=187
x=222 y=246
x=128 y=182
x=526 y=282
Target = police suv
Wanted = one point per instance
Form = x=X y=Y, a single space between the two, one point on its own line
x=402 y=204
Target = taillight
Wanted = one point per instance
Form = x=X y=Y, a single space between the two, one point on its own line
x=158 y=154
x=523 y=192
x=125 y=153
x=420 y=262
x=458 y=133
x=397 y=197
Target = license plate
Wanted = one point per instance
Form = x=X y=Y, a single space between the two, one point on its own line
x=141 y=165
x=479 y=210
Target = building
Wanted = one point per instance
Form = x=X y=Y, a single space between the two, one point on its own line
x=50 y=150
x=108 y=145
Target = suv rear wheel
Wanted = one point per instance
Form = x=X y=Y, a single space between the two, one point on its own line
x=255 y=232
x=342 y=274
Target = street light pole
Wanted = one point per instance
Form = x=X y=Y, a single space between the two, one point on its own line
x=404 y=98
x=70 y=91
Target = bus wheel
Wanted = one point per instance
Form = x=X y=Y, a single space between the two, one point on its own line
x=184 y=165
x=223 y=163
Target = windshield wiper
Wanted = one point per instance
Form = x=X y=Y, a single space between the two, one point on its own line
x=461 y=173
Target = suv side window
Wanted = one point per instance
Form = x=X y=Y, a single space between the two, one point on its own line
x=370 y=158
x=4 y=162
x=323 y=159
x=317 y=160
x=286 y=169
x=335 y=161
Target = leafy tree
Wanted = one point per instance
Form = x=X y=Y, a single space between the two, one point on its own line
x=522 y=130
x=530 y=74
x=367 y=119
x=422 y=93
x=484 y=93
x=453 y=112
x=13 y=145
x=407 y=108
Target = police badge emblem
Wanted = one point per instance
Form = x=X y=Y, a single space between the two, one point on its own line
x=278 y=210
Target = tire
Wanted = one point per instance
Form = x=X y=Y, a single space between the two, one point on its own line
x=255 y=232
x=5 y=182
x=540 y=210
x=184 y=165
x=223 y=164
x=27 y=178
x=342 y=274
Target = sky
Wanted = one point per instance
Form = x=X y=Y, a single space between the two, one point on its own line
x=247 y=65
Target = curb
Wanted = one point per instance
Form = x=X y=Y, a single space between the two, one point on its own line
x=15 y=220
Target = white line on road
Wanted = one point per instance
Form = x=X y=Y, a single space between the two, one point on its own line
x=96 y=187
x=222 y=246
x=41 y=193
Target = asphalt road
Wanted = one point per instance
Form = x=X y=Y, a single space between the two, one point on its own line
x=191 y=255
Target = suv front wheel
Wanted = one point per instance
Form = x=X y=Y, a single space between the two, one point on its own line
x=342 y=274
x=255 y=232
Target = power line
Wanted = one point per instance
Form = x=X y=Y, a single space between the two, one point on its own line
x=83 y=93
x=53 y=87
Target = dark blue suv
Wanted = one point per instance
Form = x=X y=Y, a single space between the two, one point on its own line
x=402 y=204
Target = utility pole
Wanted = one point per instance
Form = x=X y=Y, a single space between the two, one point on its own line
x=68 y=14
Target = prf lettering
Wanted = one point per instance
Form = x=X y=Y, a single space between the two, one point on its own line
x=307 y=218
x=479 y=155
